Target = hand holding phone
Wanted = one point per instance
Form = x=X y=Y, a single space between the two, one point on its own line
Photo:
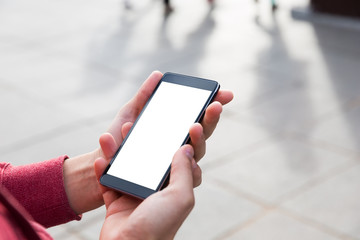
x=142 y=163
x=131 y=218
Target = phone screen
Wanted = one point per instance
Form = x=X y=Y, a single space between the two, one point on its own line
x=147 y=152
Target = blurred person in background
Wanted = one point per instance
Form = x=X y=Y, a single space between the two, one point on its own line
x=168 y=8
x=274 y=4
x=40 y=195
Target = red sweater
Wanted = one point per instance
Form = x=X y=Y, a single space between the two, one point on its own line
x=33 y=197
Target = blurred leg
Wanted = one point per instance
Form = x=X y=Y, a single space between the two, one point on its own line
x=168 y=8
x=273 y=5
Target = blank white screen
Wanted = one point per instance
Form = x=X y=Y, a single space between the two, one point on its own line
x=158 y=134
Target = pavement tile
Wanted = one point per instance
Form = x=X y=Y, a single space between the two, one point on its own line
x=277 y=168
x=206 y=221
x=295 y=109
x=28 y=116
x=275 y=225
x=334 y=203
x=230 y=137
x=90 y=225
x=342 y=130
x=35 y=23
x=87 y=228
x=84 y=138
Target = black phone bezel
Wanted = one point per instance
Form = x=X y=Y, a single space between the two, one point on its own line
x=139 y=191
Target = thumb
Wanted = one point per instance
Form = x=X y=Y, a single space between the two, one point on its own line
x=181 y=176
x=108 y=195
x=108 y=145
x=100 y=165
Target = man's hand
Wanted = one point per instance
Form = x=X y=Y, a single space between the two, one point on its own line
x=123 y=121
x=160 y=215
x=79 y=178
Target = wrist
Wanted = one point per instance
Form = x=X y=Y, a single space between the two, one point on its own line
x=80 y=182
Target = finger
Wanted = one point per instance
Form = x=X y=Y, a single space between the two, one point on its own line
x=125 y=129
x=132 y=109
x=108 y=145
x=197 y=138
x=100 y=165
x=181 y=176
x=224 y=96
x=211 y=118
x=108 y=194
x=146 y=90
x=197 y=174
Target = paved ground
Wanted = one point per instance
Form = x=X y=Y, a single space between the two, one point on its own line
x=284 y=161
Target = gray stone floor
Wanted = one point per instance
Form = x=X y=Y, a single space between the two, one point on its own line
x=284 y=160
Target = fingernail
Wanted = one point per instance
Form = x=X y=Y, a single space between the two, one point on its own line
x=189 y=152
x=194 y=164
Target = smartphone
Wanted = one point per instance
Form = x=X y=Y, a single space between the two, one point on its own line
x=142 y=163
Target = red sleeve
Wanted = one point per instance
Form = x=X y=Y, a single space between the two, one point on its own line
x=16 y=223
x=39 y=187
